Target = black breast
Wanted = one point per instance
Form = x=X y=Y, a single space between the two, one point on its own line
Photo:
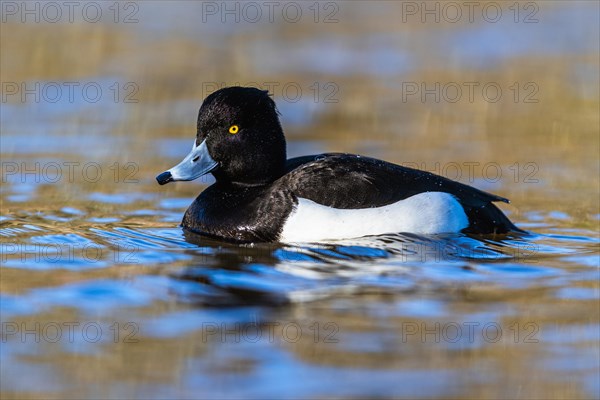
x=240 y=213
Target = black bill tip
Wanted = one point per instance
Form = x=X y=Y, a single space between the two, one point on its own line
x=164 y=178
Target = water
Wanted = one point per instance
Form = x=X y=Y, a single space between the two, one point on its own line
x=102 y=295
x=129 y=296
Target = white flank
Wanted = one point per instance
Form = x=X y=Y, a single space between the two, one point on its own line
x=427 y=213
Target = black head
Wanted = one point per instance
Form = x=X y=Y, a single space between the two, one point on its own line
x=239 y=139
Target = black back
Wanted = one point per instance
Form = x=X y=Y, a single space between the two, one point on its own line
x=349 y=182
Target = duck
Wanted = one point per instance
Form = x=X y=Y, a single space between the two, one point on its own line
x=259 y=195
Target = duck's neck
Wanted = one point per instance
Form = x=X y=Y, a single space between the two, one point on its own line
x=260 y=167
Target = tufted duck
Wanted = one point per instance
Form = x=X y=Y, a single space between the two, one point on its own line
x=260 y=196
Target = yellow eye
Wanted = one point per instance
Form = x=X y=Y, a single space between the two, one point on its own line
x=233 y=129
